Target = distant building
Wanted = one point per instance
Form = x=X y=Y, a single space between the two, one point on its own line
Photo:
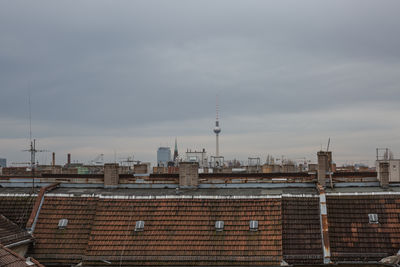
x=163 y=156
x=197 y=156
x=270 y=168
x=142 y=168
x=3 y=163
x=393 y=168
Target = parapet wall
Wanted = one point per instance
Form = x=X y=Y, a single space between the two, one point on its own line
x=210 y=180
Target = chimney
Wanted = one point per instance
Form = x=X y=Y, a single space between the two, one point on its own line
x=323 y=167
x=69 y=159
x=188 y=174
x=383 y=174
x=111 y=175
x=53 y=162
x=329 y=154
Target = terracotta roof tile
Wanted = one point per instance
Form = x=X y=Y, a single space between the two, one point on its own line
x=183 y=232
x=63 y=245
x=176 y=232
x=10 y=233
x=9 y=258
x=351 y=235
x=301 y=232
x=17 y=209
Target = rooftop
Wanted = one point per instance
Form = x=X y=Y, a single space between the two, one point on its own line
x=9 y=258
x=166 y=220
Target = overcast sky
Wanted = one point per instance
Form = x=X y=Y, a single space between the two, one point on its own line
x=125 y=77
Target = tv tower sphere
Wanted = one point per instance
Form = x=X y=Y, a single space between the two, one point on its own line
x=217 y=129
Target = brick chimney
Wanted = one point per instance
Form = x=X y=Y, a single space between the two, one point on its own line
x=188 y=174
x=53 y=162
x=323 y=167
x=69 y=159
x=383 y=174
x=111 y=175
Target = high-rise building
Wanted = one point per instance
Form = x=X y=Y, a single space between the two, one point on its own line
x=3 y=162
x=163 y=156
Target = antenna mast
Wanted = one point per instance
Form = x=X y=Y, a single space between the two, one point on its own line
x=30 y=116
x=32 y=149
x=329 y=142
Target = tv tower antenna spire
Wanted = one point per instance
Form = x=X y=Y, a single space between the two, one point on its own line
x=217 y=129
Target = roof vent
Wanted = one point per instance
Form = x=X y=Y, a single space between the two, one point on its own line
x=139 y=226
x=219 y=226
x=373 y=218
x=253 y=225
x=62 y=224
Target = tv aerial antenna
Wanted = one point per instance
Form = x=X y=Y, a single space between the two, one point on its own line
x=32 y=149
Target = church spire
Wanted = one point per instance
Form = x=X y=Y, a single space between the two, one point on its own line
x=176 y=151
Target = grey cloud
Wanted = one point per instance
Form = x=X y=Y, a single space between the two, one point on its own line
x=100 y=65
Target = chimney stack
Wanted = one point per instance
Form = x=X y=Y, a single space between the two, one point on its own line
x=383 y=174
x=53 y=162
x=323 y=167
x=188 y=174
x=111 y=175
x=69 y=159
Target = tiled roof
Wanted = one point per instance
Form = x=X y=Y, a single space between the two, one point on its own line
x=176 y=232
x=10 y=233
x=301 y=230
x=63 y=245
x=182 y=232
x=351 y=235
x=9 y=258
x=17 y=208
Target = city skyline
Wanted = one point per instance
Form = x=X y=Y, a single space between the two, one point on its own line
x=122 y=78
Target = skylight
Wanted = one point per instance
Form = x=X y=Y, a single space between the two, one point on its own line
x=373 y=218
x=139 y=226
x=219 y=225
x=253 y=225
x=62 y=224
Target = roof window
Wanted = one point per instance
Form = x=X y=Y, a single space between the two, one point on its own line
x=62 y=224
x=139 y=226
x=253 y=225
x=219 y=226
x=373 y=218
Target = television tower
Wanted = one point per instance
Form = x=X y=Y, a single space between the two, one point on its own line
x=217 y=130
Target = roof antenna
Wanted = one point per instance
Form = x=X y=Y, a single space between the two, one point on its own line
x=329 y=142
x=30 y=116
x=32 y=149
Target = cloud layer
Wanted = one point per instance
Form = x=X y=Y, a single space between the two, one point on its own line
x=128 y=76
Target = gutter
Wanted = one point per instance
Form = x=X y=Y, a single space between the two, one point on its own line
x=31 y=224
x=19 y=243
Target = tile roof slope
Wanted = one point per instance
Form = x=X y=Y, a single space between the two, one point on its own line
x=10 y=233
x=301 y=230
x=9 y=258
x=182 y=232
x=17 y=208
x=352 y=237
x=67 y=245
